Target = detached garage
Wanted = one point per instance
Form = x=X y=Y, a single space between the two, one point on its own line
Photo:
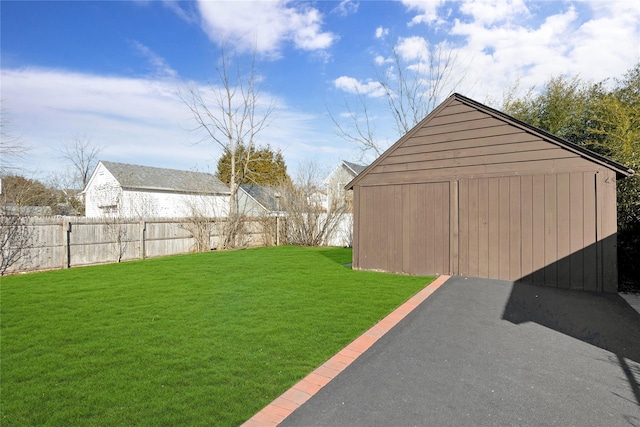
x=472 y=191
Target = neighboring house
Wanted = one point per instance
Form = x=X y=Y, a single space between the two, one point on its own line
x=133 y=191
x=338 y=179
x=472 y=191
x=318 y=199
x=256 y=200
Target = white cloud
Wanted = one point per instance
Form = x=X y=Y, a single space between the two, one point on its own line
x=184 y=10
x=265 y=26
x=427 y=11
x=139 y=121
x=160 y=66
x=381 y=32
x=500 y=42
x=487 y=12
x=413 y=48
x=346 y=7
x=134 y=119
x=352 y=85
x=381 y=60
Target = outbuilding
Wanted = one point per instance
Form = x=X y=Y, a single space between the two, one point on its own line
x=133 y=191
x=472 y=191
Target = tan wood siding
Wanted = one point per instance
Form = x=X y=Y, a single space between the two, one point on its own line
x=606 y=191
x=539 y=229
x=464 y=142
x=355 y=258
x=516 y=203
x=405 y=229
x=426 y=163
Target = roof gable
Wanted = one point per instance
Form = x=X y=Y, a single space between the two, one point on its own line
x=354 y=168
x=264 y=196
x=135 y=177
x=345 y=170
x=464 y=138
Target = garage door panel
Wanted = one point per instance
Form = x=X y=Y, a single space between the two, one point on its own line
x=538 y=237
x=515 y=230
x=526 y=225
x=483 y=227
x=564 y=230
x=463 y=228
x=473 y=220
x=405 y=229
x=538 y=229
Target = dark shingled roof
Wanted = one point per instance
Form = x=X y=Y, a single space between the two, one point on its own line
x=355 y=168
x=160 y=179
x=266 y=196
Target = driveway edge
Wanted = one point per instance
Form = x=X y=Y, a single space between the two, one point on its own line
x=275 y=412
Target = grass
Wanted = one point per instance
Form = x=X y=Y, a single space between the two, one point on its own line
x=202 y=339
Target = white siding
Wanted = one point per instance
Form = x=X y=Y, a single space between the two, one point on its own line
x=105 y=196
x=102 y=190
x=335 y=183
x=248 y=206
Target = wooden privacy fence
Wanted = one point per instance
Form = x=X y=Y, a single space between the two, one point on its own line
x=56 y=243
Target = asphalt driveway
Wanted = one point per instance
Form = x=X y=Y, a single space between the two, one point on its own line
x=484 y=352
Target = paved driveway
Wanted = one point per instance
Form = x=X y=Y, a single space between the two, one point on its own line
x=485 y=352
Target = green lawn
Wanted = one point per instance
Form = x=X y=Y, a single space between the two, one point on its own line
x=202 y=339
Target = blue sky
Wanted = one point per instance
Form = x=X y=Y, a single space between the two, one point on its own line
x=110 y=70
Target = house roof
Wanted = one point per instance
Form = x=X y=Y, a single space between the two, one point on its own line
x=265 y=196
x=161 y=179
x=620 y=169
x=354 y=168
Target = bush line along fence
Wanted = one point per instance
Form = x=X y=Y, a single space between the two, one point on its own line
x=56 y=243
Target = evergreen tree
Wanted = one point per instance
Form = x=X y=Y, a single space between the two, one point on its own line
x=254 y=165
x=606 y=119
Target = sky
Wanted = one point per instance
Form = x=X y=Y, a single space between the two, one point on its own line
x=112 y=71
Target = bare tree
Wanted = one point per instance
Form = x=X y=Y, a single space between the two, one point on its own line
x=360 y=128
x=231 y=115
x=12 y=147
x=116 y=231
x=15 y=238
x=206 y=217
x=414 y=90
x=308 y=222
x=410 y=90
x=199 y=221
x=110 y=197
x=83 y=154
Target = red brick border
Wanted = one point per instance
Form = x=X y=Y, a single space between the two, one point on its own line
x=275 y=412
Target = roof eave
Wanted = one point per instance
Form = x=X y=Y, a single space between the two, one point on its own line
x=174 y=190
x=620 y=169
x=407 y=135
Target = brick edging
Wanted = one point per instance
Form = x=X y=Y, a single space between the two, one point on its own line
x=275 y=412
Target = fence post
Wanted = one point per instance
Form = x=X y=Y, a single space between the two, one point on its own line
x=68 y=244
x=143 y=229
x=63 y=244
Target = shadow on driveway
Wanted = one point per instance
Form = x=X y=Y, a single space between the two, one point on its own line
x=603 y=320
x=489 y=352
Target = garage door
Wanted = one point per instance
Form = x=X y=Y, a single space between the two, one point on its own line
x=537 y=229
x=406 y=228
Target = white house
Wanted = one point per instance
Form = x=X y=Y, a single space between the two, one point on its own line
x=338 y=179
x=133 y=191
